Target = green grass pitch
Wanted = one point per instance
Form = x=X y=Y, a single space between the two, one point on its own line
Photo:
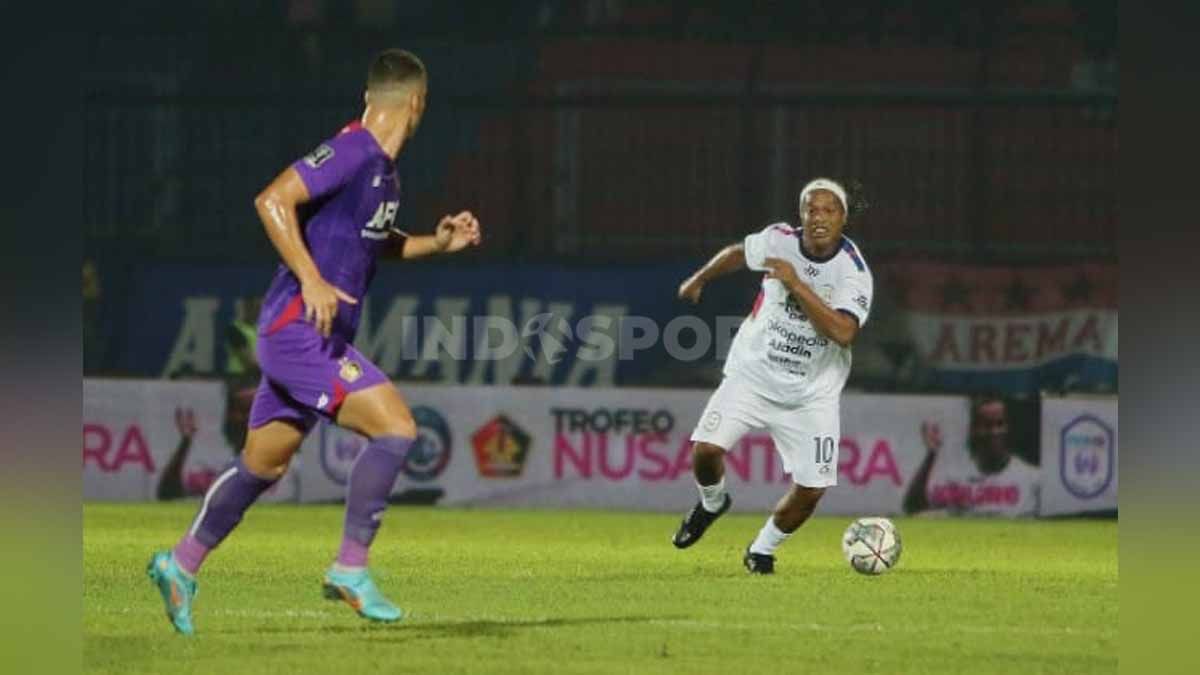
x=525 y=591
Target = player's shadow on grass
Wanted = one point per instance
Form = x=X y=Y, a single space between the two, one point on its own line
x=418 y=629
x=494 y=628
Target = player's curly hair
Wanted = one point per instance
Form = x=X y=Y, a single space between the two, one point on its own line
x=857 y=197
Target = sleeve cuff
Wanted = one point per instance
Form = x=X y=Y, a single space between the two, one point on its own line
x=857 y=316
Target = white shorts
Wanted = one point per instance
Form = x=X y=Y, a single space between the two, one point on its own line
x=806 y=436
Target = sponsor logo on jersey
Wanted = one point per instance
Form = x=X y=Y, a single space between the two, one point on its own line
x=501 y=448
x=319 y=156
x=793 y=309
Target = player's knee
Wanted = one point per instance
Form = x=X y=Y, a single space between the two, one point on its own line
x=276 y=470
x=706 y=453
x=399 y=423
x=799 y=503
x=806 y=497
x=264 y=465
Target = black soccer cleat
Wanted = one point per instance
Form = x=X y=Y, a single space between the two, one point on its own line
x=696 y=522
x=758 y=563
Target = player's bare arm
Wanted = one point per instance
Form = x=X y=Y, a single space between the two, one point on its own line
x=916 y=498
x=276 y=206
x=728 y=260
x=452 y=234
x=835 y=324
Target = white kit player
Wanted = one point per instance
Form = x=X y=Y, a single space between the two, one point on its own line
x=787 y=365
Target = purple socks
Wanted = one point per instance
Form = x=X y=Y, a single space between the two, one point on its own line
x=226 y=500
x=190 y=554
x=371 y=480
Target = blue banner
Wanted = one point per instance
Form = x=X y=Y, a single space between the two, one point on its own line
x=933 y=327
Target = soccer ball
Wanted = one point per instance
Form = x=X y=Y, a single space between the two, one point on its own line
x=871 y=545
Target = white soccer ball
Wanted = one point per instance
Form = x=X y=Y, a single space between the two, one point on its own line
x=871 y=545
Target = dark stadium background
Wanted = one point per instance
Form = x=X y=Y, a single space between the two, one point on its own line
x=608 y=148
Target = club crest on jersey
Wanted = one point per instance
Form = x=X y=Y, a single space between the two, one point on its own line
x=350 y=370
x=319 y=156
x=861 y=301
x=811 y=271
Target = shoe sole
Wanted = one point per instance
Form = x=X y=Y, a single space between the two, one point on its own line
x=337 y=593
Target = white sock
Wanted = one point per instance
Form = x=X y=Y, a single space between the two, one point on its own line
x=713 y=496
x=769 y=538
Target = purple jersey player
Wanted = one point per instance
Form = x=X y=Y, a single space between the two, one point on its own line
x=329 y=215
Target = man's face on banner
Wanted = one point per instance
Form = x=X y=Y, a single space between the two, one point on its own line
x=989 y=432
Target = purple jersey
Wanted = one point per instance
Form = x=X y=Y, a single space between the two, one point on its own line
x=353 y=196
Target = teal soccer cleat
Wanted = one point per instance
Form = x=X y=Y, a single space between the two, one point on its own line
x=358 y=591
x=178 y=590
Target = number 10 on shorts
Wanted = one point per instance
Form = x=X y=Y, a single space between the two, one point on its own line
x=823 y=452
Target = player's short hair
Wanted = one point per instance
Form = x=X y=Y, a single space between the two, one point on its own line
x=394 y=68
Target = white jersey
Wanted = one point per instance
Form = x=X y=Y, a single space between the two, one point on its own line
x=956 y=485
x=777 y=348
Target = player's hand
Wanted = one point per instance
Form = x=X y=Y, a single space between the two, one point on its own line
x=783 y=271
x=454 y=233
x=185 y=422
x=931 y=434
x=691 y=289
x=321 y=303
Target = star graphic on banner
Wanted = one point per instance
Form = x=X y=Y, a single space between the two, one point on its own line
x=955 y=292
x=1018 y=295
x=1079 y=290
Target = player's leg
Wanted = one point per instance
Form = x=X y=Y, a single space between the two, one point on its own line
x=807 y=440
x=790 y=512
x=268 y=452
x=377 y=411
x=277 y=429
x=730 y=413
x=380 y=414
x=708 y=467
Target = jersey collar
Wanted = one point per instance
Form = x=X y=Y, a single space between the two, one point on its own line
x=815 y=258
x=356 y=126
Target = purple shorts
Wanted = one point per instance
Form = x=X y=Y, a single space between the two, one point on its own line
x=305 y=375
